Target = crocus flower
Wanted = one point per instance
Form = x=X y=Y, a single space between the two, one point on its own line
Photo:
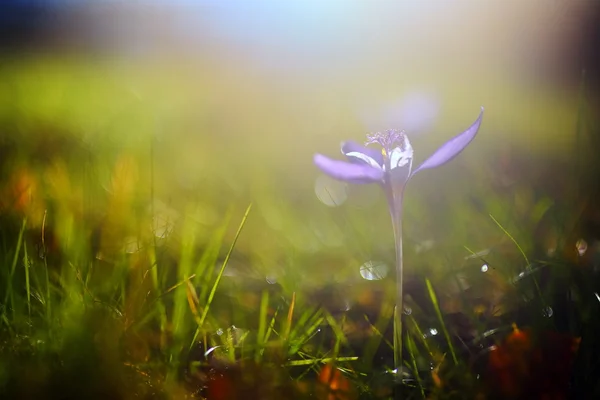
x=391 y=168
x=392 y=164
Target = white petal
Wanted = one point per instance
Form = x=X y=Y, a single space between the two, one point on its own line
x=399 y=157
x=365 y=158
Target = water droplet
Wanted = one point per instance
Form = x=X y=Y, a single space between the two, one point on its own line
x=373 y=271
x=219 y=331
x=347 y=305
x=210 y=350
x=330 y=192
x=431 y=332
x=548 y=312
x=163 y=220
x=407 y=310
x=132 y=245
x=484 y=268
x=581 y=246
x=424 y=246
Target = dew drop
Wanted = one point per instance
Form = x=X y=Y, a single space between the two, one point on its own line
x=373 y=271
x=407 y=310
x=132 y=245
x=548 y=312
x=347 y=305
x=484 y=268
x=331 y=192
x=581 y=246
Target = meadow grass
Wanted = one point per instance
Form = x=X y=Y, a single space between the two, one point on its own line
x=109 y=293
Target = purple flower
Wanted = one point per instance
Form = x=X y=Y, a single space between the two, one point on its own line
x=392 y=164
x=391 y=167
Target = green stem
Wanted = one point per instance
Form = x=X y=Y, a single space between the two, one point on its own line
x=395 y=204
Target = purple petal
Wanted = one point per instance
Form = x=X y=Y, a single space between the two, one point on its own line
x=349 y=172
x=353 y=147
x=452 y=147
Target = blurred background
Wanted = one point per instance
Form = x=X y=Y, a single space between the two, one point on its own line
x=202 y=105
x=124 y=118
x=241 y=95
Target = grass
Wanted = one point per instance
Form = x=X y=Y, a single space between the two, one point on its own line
x=117 y=285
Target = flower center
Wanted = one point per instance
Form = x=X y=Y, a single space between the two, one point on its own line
x=389 y=140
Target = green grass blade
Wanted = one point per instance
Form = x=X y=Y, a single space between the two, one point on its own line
x=420 y=334
x=298 y=363
x=438 y=312
x=296 y=342
x=220 y=275
x=288 y=322
x=27 y=283
x=262 y=324
x=511 y=238
x=209 y=257
x=9 y=289
x=410 y=344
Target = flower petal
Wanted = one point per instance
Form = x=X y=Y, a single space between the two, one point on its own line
x=349 y=172
x=399 y=157
x=357 y=153
x=452 y=147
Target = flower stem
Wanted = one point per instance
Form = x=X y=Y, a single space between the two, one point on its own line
x=395 y=204
x=398 y=310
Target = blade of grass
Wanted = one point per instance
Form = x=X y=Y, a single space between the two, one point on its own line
x=309 y=332
x=262 y=324
x=209 y=257
x=438 y=312
x=420 y=334
x=410 y=344
x=512 y=239
x=9 y=290
x=535 y=282
x=220 y=275
x=48 y=309
x=271 y=327
x=383 y=320
x=288 y=322
x=180 y=322
x=27 y=284
x=192 y=298
x=161 y=310
x=378 y=333
x=337 y=329
x=297 y=363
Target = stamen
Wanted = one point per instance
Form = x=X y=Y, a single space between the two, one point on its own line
x=388 y=140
